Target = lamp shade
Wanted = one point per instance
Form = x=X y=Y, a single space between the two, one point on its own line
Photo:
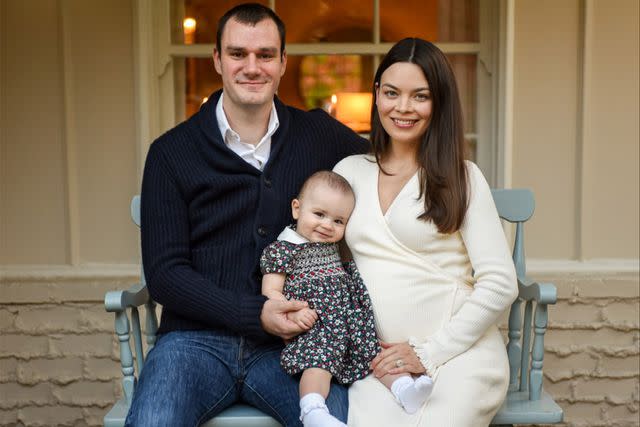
x=354 y=110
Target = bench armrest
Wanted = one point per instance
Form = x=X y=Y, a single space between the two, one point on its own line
x=119 y=303
x=542 y=293
x=135 y=296
x=526 y=360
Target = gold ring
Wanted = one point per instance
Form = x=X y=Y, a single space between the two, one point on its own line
x=399 y=363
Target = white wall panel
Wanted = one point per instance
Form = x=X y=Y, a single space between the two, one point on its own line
x=33 y=208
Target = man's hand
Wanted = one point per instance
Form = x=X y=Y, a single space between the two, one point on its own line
x=274 y=317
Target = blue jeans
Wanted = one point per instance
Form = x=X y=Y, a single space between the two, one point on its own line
x=191 y=376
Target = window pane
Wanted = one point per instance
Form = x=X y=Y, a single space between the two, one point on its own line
x=205 y=13
x=195 y=79
x=433 y=20
x=309 y=82
x=310 y=21
x=331 y=82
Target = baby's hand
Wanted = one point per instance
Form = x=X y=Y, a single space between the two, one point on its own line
x=304 y=318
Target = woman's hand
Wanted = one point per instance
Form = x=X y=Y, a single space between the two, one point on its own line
x=396 y=358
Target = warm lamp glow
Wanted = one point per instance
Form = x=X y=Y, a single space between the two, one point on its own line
x=354 y=110
x=189 y=25
x=189 y=28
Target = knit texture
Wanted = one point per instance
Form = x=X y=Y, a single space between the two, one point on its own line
x=442 y=292
x=207 y=214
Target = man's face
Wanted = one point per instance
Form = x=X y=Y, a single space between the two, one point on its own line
x=250 y=63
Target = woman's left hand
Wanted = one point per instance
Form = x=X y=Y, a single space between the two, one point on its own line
x=396 y=358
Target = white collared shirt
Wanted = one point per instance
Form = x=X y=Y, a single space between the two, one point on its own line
x=292 y=236
x=256 y=155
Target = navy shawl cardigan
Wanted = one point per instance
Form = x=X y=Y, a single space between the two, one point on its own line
x=207 y=214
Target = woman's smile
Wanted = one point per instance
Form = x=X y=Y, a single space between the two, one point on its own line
x=404 y=123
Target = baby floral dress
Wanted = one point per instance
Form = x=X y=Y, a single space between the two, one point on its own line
x=343 y=339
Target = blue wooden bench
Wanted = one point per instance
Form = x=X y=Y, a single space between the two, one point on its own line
x=526 y=402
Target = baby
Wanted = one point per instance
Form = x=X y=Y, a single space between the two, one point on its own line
x=305 y=264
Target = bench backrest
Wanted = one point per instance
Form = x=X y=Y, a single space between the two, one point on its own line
x=525 y=360
x=135 y=216
x=516 y=206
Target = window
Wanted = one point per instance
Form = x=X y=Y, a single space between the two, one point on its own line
x=335 y=47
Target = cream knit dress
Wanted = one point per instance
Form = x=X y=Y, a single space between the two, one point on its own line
x=441 y=292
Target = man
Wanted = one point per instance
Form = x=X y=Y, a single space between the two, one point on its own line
x=216 y=190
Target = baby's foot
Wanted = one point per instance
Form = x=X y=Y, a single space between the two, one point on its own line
x=412 y=394
x=314 y=412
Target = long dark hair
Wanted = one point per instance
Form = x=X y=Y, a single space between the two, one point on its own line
x=443 y=175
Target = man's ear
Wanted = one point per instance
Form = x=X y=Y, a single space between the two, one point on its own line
x=295 y=208
x=216 y=60
x=284 y=62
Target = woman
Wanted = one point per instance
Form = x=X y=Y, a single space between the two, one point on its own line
x=427 y=239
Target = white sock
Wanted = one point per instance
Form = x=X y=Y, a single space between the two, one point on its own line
x=424 y=383
x=314 y=412
x=412 y=394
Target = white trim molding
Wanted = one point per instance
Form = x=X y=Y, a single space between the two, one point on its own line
x=505 y=95
x=205 y=50
x=53 y=284
x=146 y=93
x=605 y=266
x=43 y=272
x=69 y=137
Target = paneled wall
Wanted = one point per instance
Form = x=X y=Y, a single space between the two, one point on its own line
x=545 y=118
x=611 y=131
x=34 y=220
x=576 y=126
x=68 y=132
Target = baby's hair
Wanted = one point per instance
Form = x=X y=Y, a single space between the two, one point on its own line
x=332 y=179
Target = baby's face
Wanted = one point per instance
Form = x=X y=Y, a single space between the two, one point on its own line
x=322 y=213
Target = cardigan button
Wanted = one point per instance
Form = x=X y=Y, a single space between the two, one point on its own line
x=262 y=231
x=267 y=182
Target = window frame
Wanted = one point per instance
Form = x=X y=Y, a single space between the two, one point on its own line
x=158 y=102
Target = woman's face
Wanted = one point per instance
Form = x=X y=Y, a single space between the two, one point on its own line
x=404 y=103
